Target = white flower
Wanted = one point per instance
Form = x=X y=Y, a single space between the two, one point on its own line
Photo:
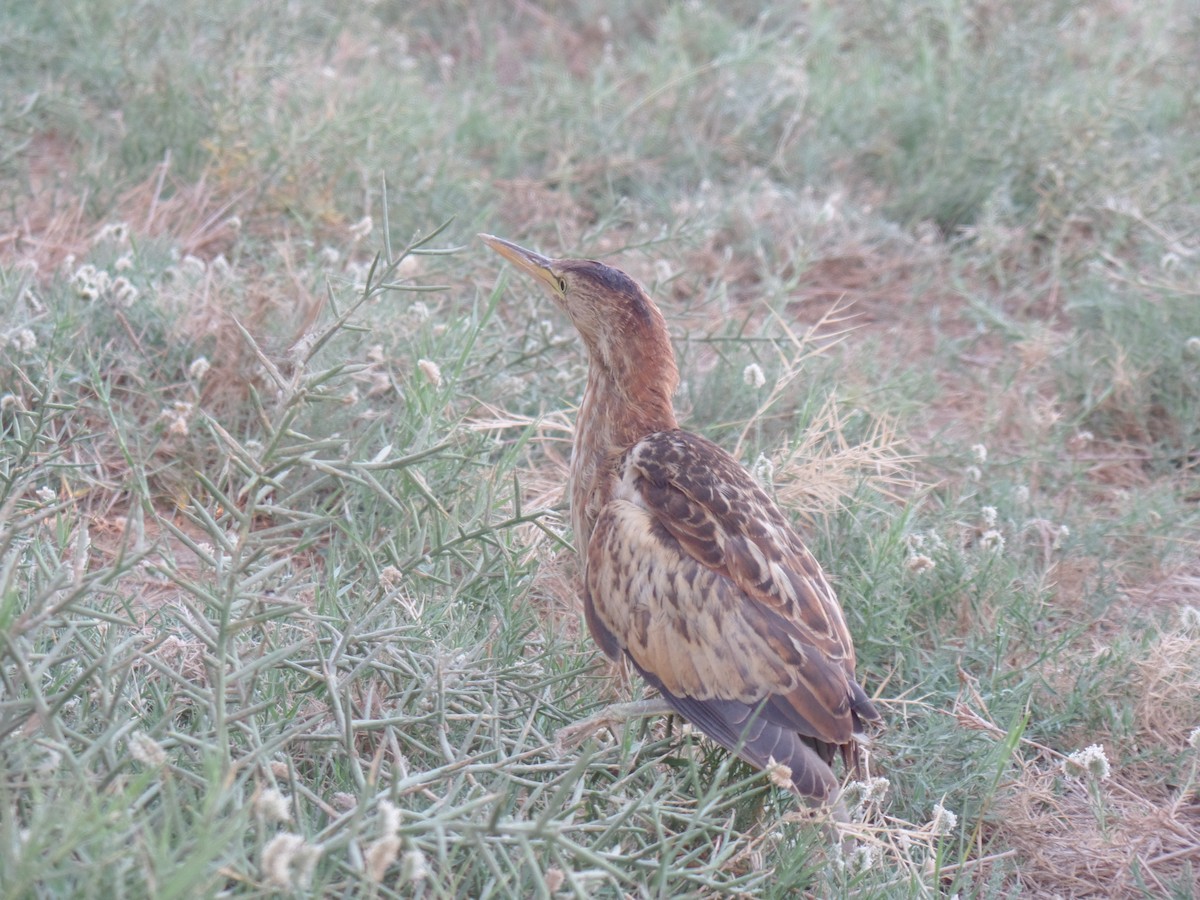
x=1192 y=345
x=361 y=228
x=23 y=340
x=177 y=418
x=943 y=821
x=193 y=266
x=862 y=859
x=992 y=540
x=198 y=368
x=973 y=473
x=90 y=283
x=875 y=790
x=46 y=494
x=1090 y=762
x=989 y=516
x=979 y=451
x=124 y=292
x=117 y=232
x=753 y=376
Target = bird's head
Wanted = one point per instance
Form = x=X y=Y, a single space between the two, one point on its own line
x=622 y=328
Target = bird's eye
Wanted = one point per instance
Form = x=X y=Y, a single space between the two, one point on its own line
x=562 y=285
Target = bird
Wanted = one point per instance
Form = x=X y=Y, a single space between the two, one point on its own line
x=690 y=571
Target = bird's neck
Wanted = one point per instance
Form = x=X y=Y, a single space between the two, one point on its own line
x=618 y=410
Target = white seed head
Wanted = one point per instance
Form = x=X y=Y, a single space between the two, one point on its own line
x=779 y=774
x=753 y=376
x=288 y=861
x=979 y=452
x=380 y=855
x=147 y=751
x=389 y=817
x=989 y=515
x=272 y=806
x=413 y=866
x=763 y=471
x=1060 y=536
x=431 y=370
x=553 y=879
x=919 y=562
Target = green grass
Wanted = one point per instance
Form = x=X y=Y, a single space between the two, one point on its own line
x=286 y=587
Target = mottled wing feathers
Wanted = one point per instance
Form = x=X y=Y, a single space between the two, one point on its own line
x=745 y=730
x=696 y=575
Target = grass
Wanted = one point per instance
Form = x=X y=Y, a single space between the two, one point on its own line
x=287 y=596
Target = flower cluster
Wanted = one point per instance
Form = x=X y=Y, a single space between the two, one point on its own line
x=92 y=285
x=1090 y=763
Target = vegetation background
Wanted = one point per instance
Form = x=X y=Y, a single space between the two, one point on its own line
x=286 y=595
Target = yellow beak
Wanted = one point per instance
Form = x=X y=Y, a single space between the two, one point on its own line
x=526 y=260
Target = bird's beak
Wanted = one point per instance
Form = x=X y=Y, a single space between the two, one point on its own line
x=526 y=260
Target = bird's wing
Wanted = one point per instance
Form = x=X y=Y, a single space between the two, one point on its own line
x=696 y=574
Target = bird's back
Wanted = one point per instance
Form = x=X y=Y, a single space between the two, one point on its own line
x=695 y=574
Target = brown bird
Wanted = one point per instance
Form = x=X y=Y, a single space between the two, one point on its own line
x=690 y=570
